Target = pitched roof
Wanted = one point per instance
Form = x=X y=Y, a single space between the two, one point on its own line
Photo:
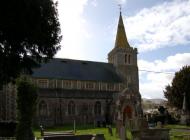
x=77 y=70
x=66 y=93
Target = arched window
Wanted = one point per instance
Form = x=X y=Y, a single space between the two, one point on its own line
x=129 y=59
x=125 y=58
x=43 y=108
x=84 y=109
x=71 y=108
x=97 y=108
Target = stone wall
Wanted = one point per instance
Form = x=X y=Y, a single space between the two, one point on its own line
x=8 y=103
x=56 y=101
x=55 y=107
x=126 y=67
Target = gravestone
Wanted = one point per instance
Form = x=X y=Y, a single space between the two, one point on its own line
x=110 y=130
x=150 y=134
x=122 y=133
x=159 y=125
x=184 y=113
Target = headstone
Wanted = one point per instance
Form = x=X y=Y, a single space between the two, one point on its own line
x=122 y=133
x=159 y=125
x=151 y=134
x=74 y=126
x=98 y=137
x=184 y=114
x=117 y=127
x=110 y=130
x=41 y=130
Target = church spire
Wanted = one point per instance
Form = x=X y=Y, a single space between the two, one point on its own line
x=121 y=38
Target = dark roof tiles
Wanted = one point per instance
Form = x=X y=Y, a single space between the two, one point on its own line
x=77 y=70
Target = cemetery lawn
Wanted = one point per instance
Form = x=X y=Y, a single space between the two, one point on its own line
x=89 y=129
x=177 y=130
x=84 y=130
x=103 y=131
x=176 y=126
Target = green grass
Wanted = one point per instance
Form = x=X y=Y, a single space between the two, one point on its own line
x=52 y=129
x=89 y=129
x=176 y=126
x=174 y=132
x=103 y=131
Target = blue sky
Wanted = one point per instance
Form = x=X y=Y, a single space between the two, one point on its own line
x=160 y=29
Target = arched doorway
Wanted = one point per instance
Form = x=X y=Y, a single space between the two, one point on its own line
x=127 y=113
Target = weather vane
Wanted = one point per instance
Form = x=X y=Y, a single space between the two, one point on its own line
x=119 y=7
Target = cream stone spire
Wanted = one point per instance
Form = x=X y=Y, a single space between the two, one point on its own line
x=121 y=38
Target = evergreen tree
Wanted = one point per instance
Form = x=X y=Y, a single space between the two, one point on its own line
x=26 y=106
x=180 y=85
x=29 y=31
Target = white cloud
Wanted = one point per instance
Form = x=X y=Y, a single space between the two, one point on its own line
x=172 y=63
x=156 y=82
x=163 y=25
x=74 y=28
x=94 y=3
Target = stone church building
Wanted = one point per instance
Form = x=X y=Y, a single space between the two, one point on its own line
x=86 y=91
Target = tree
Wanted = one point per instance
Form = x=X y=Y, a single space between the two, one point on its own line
x=29 y=31
x=180 y=85
x=161 y=109
x=26 y=106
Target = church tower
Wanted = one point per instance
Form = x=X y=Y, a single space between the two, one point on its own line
x=124 y=58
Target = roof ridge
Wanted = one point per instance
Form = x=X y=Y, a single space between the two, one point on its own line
x=82 y=60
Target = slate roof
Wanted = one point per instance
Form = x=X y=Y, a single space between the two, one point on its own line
x=80 y=94
x=77 y=70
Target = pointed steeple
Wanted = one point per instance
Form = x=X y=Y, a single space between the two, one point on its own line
x=121 y=38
